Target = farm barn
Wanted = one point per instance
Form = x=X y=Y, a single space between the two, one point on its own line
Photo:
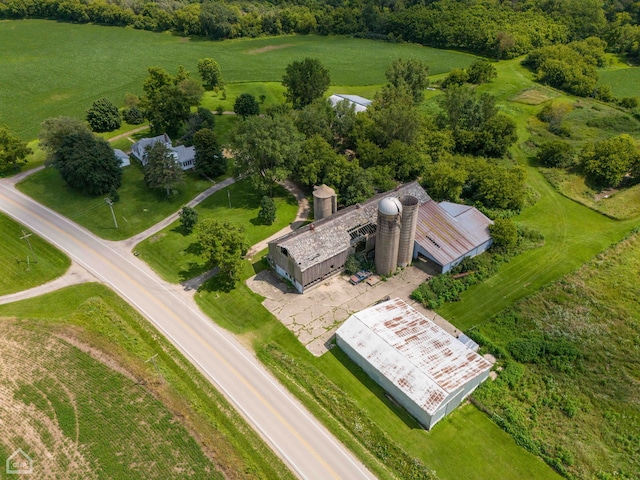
x=425 y=369
x=399 y=225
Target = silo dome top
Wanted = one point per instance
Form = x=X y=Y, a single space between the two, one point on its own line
x=323 y=191
x=390 y=206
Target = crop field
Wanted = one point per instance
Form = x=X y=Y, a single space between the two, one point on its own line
x=624 y=82
x=577 y=400
x=20 y=269
x=138 y=208
x=175 y=255
x=49 y=68
x=85 y=402
x=78 y=417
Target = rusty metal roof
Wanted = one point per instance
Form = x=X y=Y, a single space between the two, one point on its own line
x=415 y=354
x=326 y=238
x=449 y=231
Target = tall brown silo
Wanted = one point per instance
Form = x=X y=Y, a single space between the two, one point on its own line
x=388 y=235
x=408 y=225
x=325 y=202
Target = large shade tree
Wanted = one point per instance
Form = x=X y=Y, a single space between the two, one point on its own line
x=210 y=73
x=305 y=81
x=223 y=245
x=412 y=74
x=88 y=164
x=606 y=162
x=54 y=130
x=12 y=150
x=266 y=150
x=210 y=161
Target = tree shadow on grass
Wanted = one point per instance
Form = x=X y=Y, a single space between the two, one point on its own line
x=374 y=388
x=218 y=283
x=194 y=248
x=193 y=270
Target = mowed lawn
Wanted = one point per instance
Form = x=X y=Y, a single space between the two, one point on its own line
x=21 y=267
x=175 y=255
x=138 y=208
x=49 y=68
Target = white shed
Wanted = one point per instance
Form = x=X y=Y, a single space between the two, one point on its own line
x=424 y=368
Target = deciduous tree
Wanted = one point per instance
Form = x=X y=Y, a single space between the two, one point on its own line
x=606 y=162
x=266 y=150
x=12 y=150
x=103 y=116
x=54 y=131
x=223 y=245
x=411 y=73
x=87 y=163
x=267 y=213
x=210 y=73
x=246 y=105
x=305 y=81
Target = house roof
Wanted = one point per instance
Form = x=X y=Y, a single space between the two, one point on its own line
x=184 y=153
x=325 y=238
x=449 y=231
x=416 y=355
x=138 y=148
x=360 y=103
x=123 y=157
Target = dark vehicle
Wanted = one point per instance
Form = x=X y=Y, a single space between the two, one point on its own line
x=360 y=276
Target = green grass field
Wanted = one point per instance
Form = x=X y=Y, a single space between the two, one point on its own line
x=154 y=421
x=138 y=208
x=18 y=271
x=624 y=82
x=49 y=68
x=175 y=256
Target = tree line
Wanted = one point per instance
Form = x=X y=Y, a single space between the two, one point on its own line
x=490 y=27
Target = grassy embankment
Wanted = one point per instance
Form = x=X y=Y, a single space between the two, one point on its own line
x=19 y=268
x=131 y=425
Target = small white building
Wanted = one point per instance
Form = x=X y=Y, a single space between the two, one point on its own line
x=122 y=157
x=185 y=156
x=424 y=368
x=360 y=103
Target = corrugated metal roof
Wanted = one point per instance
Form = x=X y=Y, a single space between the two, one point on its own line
x=449 y=231
x=360 y=103
x=326 y=238
x=415 y=354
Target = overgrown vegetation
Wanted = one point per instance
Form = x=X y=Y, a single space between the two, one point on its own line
x=568 y=357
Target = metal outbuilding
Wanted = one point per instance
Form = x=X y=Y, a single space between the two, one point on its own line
x=424 y=368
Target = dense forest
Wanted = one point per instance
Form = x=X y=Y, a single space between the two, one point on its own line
x=496 y=28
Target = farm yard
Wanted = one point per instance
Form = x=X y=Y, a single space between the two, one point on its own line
x=560 y=206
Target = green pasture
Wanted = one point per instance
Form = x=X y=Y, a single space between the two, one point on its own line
x=175 y=255
x=20 y=269
x=624 y=82
x=50 y=68
x=138 y=208
x=156 y=421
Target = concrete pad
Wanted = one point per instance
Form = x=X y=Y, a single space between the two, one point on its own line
x=315 y=315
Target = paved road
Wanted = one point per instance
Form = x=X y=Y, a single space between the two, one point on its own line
x=305 y=445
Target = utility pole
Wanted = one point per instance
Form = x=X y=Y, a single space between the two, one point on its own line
x=153 y=360
x=25 y=236
x=229 y=197
x=110 y=203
